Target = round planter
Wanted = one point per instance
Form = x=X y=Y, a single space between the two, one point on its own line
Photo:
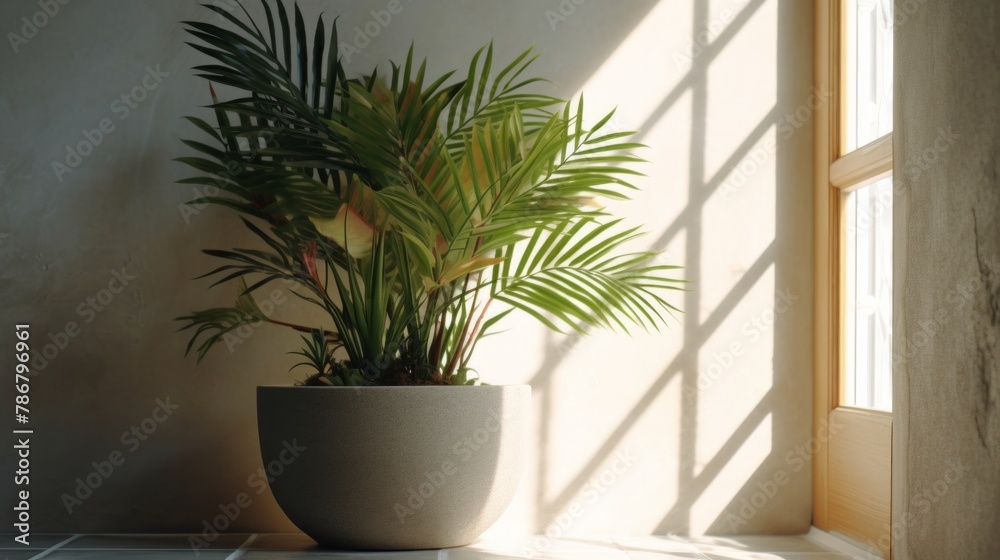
x=390 y=468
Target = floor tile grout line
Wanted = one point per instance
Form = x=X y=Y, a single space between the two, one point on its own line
x=148 y=535
x=443 y=554
x=239 y=552
x=132 y=549
x=55 y=547
x=615 y=542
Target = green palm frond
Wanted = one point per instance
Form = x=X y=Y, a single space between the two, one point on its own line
x=574 y=274
x=219 y=322
x=481 y=98
x=403 y=207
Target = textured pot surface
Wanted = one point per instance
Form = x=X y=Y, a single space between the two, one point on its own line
x=383 y=468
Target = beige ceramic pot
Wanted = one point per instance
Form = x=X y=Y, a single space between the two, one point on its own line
x=388 y=468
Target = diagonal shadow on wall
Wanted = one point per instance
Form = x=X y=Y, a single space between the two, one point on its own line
x=690 y=486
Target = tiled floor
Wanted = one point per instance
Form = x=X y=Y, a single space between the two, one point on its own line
x=295 y=546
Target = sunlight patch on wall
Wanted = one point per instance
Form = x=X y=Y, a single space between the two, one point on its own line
x=742 y=82
x=734 y=475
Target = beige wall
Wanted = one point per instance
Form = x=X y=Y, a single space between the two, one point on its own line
x=712 y=415
x=946 y=448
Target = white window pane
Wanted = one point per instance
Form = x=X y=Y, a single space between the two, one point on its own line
x=868 y=352
x=869 y=71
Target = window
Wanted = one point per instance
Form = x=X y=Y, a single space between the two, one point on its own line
x=867 y=372
x=853 y=271
x=867 y=77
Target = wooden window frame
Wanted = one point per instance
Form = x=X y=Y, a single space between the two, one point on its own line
x=852 y=466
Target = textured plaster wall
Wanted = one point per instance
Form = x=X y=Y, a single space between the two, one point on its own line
x=703 y=427
x=946 y=448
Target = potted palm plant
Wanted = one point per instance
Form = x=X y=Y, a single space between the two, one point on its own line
x=416 y=214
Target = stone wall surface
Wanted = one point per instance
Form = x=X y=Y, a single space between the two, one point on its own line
x=946 y=451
